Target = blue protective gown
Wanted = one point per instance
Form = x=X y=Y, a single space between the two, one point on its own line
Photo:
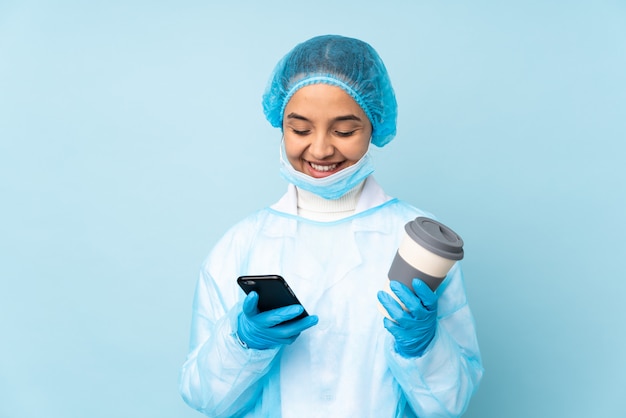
x=346 y=365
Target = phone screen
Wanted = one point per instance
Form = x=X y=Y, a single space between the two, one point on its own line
x=273 y=290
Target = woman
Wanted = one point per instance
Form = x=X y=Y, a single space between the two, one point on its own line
x=333 y=236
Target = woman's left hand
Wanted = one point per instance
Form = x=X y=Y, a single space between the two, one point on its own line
x=414 y=327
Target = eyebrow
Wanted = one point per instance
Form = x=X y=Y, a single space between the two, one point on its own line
x=338 y=118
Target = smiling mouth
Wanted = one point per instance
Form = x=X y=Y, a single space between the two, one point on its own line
x=324 y=168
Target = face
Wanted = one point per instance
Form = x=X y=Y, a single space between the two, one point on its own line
x=325 y=130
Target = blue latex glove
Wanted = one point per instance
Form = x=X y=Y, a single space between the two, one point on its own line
x=263 y=330
x=414 y=328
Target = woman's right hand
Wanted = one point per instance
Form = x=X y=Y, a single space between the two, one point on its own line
x=263 y=330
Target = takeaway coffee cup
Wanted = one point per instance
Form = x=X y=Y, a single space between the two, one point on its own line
x=428 y=250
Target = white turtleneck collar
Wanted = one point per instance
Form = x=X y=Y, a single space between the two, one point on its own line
x=368 y=196
x=314 y=207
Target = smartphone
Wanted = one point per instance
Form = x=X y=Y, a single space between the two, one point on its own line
x=273 y=290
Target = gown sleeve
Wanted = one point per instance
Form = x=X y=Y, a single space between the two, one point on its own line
x=220 y=377
x=442 y=381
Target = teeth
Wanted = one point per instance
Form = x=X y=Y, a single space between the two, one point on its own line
x=324 y=167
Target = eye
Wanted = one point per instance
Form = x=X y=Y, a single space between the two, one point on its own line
x=345 y=134
x=301 y=132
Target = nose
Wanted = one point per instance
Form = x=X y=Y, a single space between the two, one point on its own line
x=321 y=146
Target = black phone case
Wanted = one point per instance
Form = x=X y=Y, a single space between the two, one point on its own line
x=273 y=290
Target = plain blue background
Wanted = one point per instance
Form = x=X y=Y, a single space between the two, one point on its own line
x=132 y=136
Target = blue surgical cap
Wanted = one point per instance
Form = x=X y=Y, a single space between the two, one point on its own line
x=348 y=63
